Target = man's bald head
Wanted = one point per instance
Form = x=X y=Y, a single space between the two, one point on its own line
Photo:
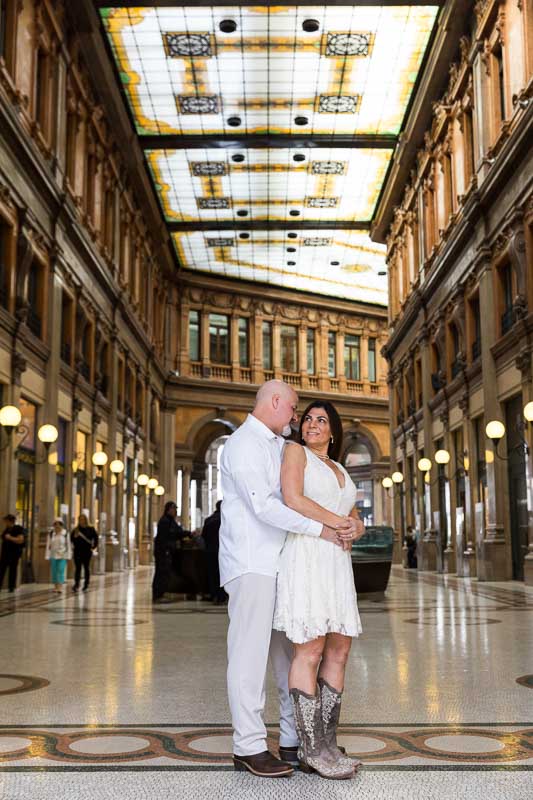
x=275 y=405
x=272 y=389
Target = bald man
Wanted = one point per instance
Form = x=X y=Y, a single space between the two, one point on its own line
x=252 y=533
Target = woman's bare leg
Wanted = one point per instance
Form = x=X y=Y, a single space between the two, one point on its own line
x=334 y=658
x=304 y=667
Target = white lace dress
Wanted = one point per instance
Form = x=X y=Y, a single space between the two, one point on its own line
x=315 y=590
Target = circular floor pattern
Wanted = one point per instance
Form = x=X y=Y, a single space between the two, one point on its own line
x=452 y=622
x=98 y=623
x=361 y=744
x=463 y=743
x=526 y=680
x=114 y=744
x=16 y=684
x=221 y=745
x=14 y=744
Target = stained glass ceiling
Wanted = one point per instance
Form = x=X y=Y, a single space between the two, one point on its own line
x=326 y=86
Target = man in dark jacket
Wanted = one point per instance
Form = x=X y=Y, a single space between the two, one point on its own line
x=166 y=552
x=13 y=541
x=84 y=541
x=210 y=534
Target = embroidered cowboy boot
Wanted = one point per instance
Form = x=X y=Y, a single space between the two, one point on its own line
x=331 y=711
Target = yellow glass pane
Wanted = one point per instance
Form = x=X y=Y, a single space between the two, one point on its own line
x=341 y=263
x=355 y=74
x=324 y=184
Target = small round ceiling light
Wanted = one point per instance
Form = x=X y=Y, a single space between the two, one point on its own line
x=143 y=479
x=397 y=477
x=238 y=158
x=310 y=25
x=228 y=26
x=242 y=212
x=244 y=235
x=386 y=483
x=234 y=122
x=335 y=263
x=298 y=156
x=291 y=249
x=382 y=272
x=301 y=120
x=294 y=212
x=291 y=263
x=99 y=458
x=47 y=434
x=292 y=235
x=495 y=429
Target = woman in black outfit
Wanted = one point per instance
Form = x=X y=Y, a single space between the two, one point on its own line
x=166 y=552
x=84 y=541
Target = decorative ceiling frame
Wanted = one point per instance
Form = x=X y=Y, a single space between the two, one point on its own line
x=225 y=142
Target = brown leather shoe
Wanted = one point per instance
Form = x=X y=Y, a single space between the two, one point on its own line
x=290 y=754
x=264 y=765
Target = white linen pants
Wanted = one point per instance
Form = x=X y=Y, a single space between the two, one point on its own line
x=251 y=641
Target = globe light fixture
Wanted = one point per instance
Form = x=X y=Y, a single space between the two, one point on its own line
x=528 y=411
x=397 y=477
x=442 y=457
x=47 y=434
x=142 y=479
x=10 y=417
x=99 y=458
x=152 y=483
x=116 y=466
x=424 y=465
x=386 y=483
x=159 y=490
x=495 y=429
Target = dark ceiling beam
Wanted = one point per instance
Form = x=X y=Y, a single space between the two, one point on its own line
x=226 y=3
x=267 y=225
x=275 y=140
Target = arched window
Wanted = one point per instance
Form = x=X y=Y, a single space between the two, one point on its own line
x=358 y=454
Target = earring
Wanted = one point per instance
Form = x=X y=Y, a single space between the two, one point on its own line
x=332 y=440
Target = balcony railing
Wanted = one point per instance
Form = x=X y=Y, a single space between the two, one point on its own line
x=269 y=374
x=354 y=387
x=221 y=372
x=476 y=349
x=246 y=375
x=85 y=370
x=292 y=378
x=334 y=384
x=313 y=382
x=196 y=370
x=34 y=322
x=456 y=367
x=507 y=320
x=66 y=353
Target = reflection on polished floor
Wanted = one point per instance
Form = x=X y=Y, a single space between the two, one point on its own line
x=103 y=696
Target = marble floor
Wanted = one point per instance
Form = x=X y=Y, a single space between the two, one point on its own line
x=104 y=696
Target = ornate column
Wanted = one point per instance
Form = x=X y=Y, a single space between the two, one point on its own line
x=363 y=354
x=322 y=352
x=494 y=550
x=184 y=307
x=185 y=496
x=234 y=348
x=339 y=358
x=427 y=553
x=204 y=342
x=302 y=355
x=276 y=347
x=257 y=348
x=524 y=362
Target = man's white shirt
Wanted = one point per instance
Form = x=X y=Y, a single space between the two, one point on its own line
x=255 y=520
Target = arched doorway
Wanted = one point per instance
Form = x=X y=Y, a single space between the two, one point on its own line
x=359 y=458
x=212 y=490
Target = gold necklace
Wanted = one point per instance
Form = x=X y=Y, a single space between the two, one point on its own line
x=322 y=458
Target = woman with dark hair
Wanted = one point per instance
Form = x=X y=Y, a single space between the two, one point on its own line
x=166 y=544
x=316 y=603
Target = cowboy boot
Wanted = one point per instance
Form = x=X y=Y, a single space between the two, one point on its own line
x=313 y=754
x=331 y=711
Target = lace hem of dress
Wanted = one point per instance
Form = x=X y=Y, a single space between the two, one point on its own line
x=300 y=632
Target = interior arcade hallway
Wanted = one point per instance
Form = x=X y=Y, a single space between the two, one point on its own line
x=109 y=697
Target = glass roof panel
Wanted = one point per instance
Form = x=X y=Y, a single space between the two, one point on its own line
x=341 y=263
x=353 y=75
x=322 y=184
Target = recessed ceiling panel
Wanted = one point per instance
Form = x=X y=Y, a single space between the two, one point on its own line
x=315 y=184
x=342 y=264
x=256 y=69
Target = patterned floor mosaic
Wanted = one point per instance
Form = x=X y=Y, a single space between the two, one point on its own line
x=104 y=696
